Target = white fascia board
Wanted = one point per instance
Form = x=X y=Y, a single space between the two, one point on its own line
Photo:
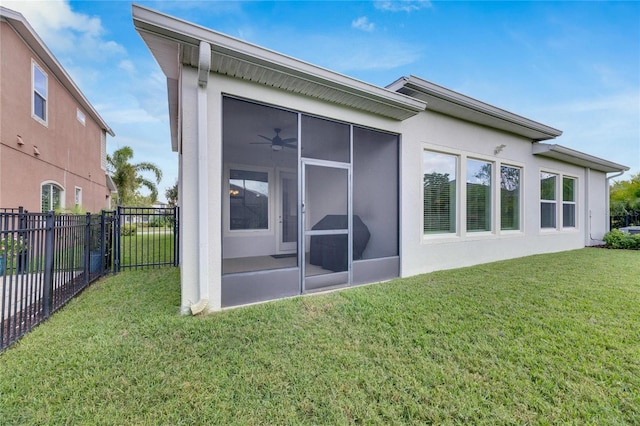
x=151 y=23
x=447 y=101
x=22 y=27
x=572 y=156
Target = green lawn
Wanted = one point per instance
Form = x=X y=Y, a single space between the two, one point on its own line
x=551 y=339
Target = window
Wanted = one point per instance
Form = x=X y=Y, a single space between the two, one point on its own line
x=103 y=150
x=248 y=200
x=51 y=197
x=40 y=86
x=478 y=195
x=548 y=200
x=78 y=197
x=509 y=198
x=80 y=116
x=568 y=202
x=439 y=186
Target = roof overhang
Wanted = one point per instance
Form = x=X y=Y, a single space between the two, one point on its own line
x=445 y=101
x=568 y=155
x=111 y=185
x=22 y=27
x=174 y=43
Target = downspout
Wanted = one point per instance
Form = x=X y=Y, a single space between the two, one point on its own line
x=204 y=65
x=608 y=209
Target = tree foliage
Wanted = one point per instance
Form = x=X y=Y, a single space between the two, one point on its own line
x=129 y=178
x=172 y=194
x=624 y=196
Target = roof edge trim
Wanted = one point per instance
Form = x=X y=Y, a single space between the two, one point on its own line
x=153 y=22
x=420 y=85
x=562 y=153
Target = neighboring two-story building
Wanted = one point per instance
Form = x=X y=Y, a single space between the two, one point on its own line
x=52 y=140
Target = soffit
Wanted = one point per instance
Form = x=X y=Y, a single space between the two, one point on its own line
x=166 y=35
x=451 y=103
x=22 y=27
x=568 y=155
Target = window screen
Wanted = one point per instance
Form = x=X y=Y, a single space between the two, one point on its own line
x=248 y=199
x=548 y=200
x=478 y=195
x=568 y=202
x=509 y=198
x=439 y=186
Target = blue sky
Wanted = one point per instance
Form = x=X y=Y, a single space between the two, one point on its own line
x=574 y=66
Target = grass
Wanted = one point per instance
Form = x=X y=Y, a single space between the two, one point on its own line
x=151 y=247
x=541 y=340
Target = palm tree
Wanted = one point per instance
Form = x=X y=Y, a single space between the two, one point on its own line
x=128 y=177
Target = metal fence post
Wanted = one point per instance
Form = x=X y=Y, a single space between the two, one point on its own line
x=176 y=236
x=48 y=264
x=87 y=247
x=116 y=241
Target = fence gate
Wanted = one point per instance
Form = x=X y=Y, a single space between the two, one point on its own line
x=146 y=237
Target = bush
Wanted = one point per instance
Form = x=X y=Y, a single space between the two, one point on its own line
x=128 y=230
x=617 y=239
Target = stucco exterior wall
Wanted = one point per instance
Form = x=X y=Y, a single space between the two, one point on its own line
x=69 y=152
x=427 y=130
x=424 y=253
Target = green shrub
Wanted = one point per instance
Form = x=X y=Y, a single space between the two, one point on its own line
x=128 y=230
x=617 y=239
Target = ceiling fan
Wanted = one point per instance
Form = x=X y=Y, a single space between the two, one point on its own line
x=276 y=142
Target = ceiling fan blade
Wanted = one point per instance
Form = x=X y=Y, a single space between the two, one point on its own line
x=260 y=143
x=289 y=140
x=264 y=137
x=290 y=145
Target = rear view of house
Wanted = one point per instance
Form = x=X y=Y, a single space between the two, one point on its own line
x=294 y=178
x=52 y=140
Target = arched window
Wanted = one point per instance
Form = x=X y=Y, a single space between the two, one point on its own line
x=52 y=196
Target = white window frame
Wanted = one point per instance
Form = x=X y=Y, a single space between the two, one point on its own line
x=492 y=196
x=62 y=193
x=555 y=203
x=458 y=196
x=226 y=213
x=78 y=196
x=45 y=121
x=574 y=202
x=81 y=117
x=521 y=197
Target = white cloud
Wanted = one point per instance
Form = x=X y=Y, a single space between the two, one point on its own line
x=364 y=53
x=363 y=24
x=402 y=5
x=127 y=65
x=65 y=31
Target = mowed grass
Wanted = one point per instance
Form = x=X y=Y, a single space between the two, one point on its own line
x=550 y=339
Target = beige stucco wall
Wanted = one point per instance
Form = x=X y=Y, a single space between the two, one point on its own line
x=70 y=152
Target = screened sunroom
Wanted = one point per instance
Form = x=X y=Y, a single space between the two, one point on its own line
x=308 y=203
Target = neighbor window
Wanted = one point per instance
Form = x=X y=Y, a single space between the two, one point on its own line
x=509 y=198
x=478 y=195
x=51 y=197
x=80 y=116
x=40 y=86
x=78 y=197
x=548 y=200
x=568 y=202
x=248 y=200
x=439 y=186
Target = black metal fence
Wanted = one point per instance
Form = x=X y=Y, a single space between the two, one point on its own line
x=46 y=259
x=146 y=237
x=630 y=219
